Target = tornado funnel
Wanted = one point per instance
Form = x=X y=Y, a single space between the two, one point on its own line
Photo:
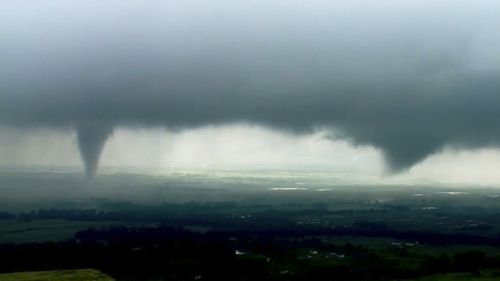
x=91 y=140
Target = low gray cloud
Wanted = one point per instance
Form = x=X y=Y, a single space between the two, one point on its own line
x=408 y=77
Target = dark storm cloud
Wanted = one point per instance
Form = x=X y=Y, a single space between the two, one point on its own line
x=408 y=77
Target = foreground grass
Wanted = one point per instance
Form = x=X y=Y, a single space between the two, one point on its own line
x=61 y=275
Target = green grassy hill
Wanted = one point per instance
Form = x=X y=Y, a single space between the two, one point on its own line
x=60 y=275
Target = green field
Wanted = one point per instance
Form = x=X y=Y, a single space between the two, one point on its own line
x=13 y=231
x=62 y=275
x=482 y=276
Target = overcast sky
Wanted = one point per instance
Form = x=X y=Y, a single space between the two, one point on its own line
x=370 y=86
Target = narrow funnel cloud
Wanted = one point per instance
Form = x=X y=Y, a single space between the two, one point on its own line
x=91 y=140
